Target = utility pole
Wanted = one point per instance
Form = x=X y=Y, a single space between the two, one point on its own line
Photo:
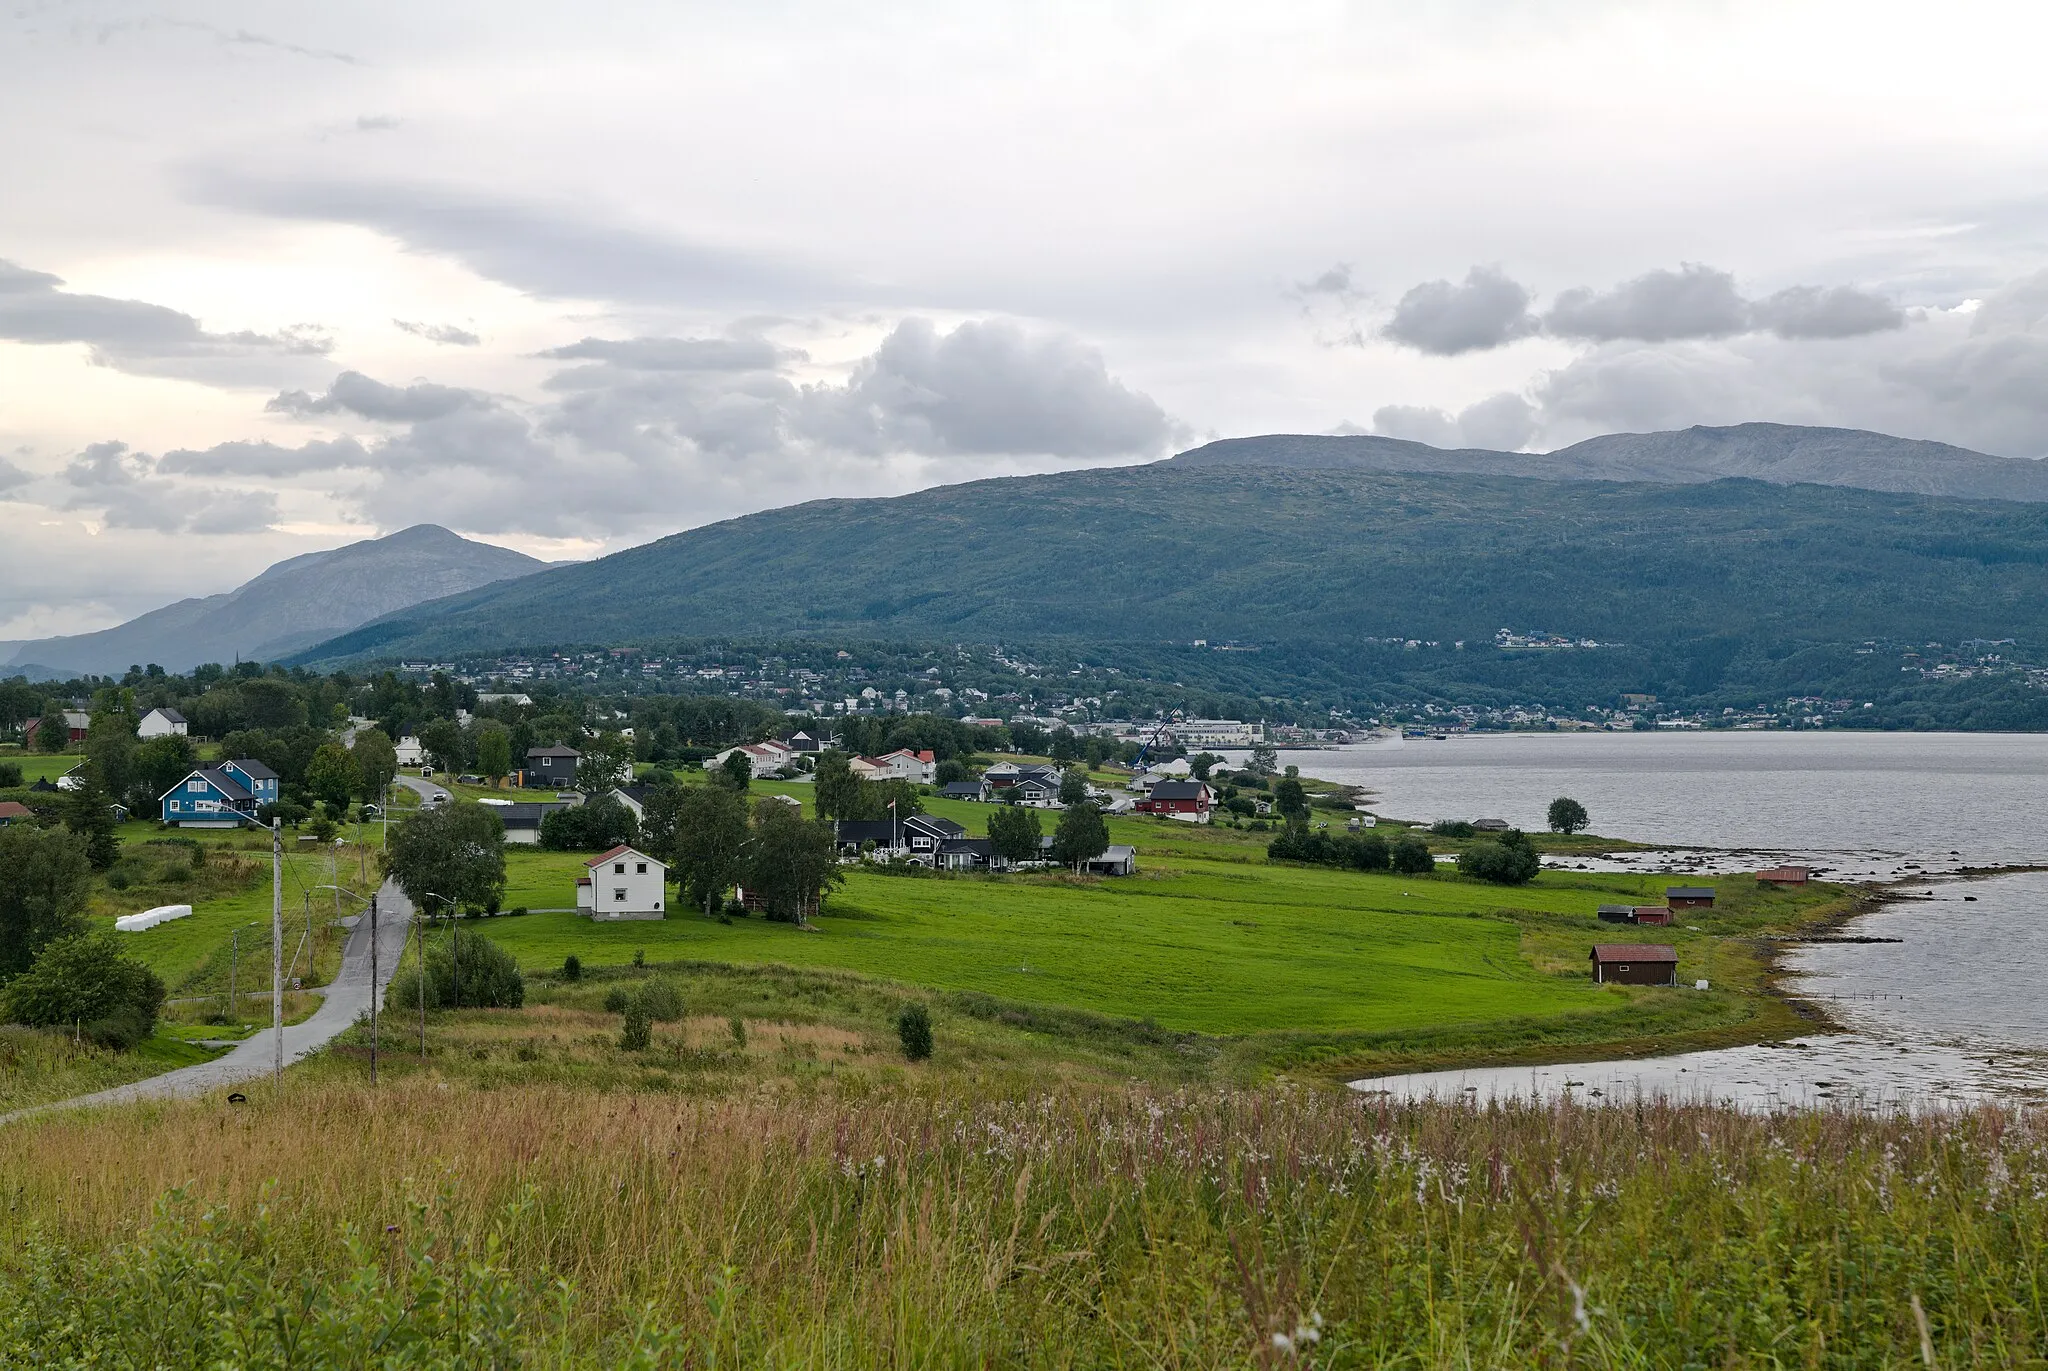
x=277 y=949
x=234 y=955
x=419 y=966
x=373 y=987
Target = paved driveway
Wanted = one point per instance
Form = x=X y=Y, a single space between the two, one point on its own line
x=344 y=1001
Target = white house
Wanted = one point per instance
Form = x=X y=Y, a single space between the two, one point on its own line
x=766 y=758
x=919 y=768
x=868 y=769
x=409 y=751
x=622 y=884
x=161 y=723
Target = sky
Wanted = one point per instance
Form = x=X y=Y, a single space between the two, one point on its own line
x=275 y=277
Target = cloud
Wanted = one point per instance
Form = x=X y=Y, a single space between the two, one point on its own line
x=266 y=459
x=438 y=333
x=1835 y=312
x=122 y=485
x=677 y=354
x=1443 y=319
x=986 y=388
x=354 y=393
x=1503 y=422
x=542 y=250
x=653 y=433
x=1978 y=379
x=1693 y=302
x=136 y=336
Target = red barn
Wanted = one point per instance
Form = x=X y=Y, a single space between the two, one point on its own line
x=1184 y=800
x=1635 y=964
x=1652 y=914
x=1689 y=896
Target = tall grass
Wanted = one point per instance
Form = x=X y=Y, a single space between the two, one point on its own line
x=934 y=1224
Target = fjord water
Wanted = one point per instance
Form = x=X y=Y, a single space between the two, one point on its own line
x=1919 y=797
x=1951 y=1013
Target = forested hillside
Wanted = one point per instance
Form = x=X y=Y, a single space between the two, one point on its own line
x=1171 y=553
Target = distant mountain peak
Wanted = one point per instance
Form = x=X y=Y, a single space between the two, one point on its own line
x=294 y=603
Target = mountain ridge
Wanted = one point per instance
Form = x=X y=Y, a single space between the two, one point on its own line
x=288 y=606
x=1783 y=454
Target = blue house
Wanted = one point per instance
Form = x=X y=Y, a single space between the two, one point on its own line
x=213 y=797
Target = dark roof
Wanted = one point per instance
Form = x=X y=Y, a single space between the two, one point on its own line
x=1634 y=952
x=864 y=830
x=932 y=823
x=225 y=784
x=981 y=847
x=1688 y=892
x=1617 y=909
x=252 y=768
x=961 y=788
x=170 y=714
x=526 y=813
x=1178 y=790
x=556 y=751
x=42 y=783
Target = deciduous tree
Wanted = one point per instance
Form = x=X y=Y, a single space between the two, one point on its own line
x=792 y=862
x=1081 y=836
x=452 y=853
x=708 y=842
x=1015 y=834
x=1567 y=815
x=45 y=880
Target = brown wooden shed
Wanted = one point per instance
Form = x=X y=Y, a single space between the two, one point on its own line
x=1782 y=875
x=1689 y=896
x=1635 y=964
x=1652 y=914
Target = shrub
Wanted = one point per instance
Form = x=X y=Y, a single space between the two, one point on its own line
x=660 y=1000
x=597 y=826
x=572 y=967
x=1410 y=856
x=490 y=977
x=87 y=981
x=1510 y=861
x=1452 y=828
x=639 y=956
x=117 y=879
x=914 y=1029
x=738 y=1028
x=10 y=775
x=638 y=1030
x=616 y=998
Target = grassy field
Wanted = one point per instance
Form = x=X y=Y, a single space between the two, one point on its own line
x=1316 y=968
x=926 y=1220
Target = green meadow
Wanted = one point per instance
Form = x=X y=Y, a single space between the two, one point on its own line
x=1210 y=938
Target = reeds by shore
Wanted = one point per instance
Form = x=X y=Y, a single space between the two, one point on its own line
x=935 y=1225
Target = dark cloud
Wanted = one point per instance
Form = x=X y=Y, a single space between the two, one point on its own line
x=1444 y=319
x=541 y=250
x=661 y=432
x=678 y=354
x=11 y=476
x=123 y=486
x=134 y=335
x=439 y=333
x=1825 y=312
x=1693 y=302
x=354 y=393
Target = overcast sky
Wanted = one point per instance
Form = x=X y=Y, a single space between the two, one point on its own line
x=275 y=277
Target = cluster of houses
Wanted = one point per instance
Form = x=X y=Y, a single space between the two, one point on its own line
x=1657 y=963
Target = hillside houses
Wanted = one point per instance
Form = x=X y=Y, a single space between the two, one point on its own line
x=766 y=758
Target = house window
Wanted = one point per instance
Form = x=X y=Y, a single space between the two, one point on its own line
x=619 y=869
x=619 y=896
x=196 y=787
x=640 y=868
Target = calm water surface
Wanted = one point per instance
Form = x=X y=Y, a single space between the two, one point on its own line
x=1951 y=1013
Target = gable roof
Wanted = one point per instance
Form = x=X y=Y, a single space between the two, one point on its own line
x=15 y=809
x=1688 y=892
x=1634 y=952
x=621 y=850
x=1179 y=790
x=556 y=751
x=932 y=823
x=961 y=788
x=219 y=780
x=169 y=715
x=526 y=813
x=251 y=768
